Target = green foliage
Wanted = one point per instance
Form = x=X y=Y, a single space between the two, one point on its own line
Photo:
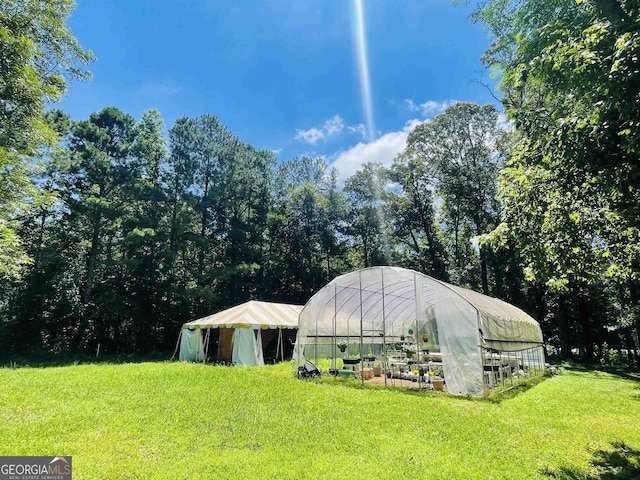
x=305 y=248
x=412 y=214
x=366 y=190
x=37 y=51
x=457 y=155
x=12 y=256
x=570 y=188
x=569 y=77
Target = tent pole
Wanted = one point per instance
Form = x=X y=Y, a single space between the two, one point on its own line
x=482 y=358
x=279 y=345
x=315 y=345
x=361 y=363
x=516 y=368
x=206 y=345
x=415 y=333
x=384 y=333
x=335 y=314
x=177 y=345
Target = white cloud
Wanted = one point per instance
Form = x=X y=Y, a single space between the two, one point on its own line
x=382 y=150
x=430 y=108
x=331 y=128
x=276 y=151
x=360 y=129
x=310 y=136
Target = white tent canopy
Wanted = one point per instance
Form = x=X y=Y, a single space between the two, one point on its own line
x=247 y=321
x=379 y=306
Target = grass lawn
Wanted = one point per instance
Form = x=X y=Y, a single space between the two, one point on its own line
x=177 y=421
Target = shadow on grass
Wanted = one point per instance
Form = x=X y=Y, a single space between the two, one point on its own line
x=44 y=360
x=620 y=462
x=625 y=373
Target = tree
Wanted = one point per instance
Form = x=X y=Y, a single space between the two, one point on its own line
x=569 y=76
x=570 y=86
x=460 y=157
x=365 y=189
x=145 y=226
x=305 y=247
x=37 y=50
x=413 y=217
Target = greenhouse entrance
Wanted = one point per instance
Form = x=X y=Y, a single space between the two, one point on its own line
x=399 y=327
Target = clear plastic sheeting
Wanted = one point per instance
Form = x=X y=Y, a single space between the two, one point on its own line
x=372 y=310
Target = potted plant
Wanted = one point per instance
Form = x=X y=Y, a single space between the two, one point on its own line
x=369 y=357
x=342 y=345
x=438 y=384
x=351 y=361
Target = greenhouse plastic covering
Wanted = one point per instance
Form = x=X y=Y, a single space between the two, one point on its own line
x=375 y=307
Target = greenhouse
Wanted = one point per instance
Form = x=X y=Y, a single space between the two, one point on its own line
x=395 y=326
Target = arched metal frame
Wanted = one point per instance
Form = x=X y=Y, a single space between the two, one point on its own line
x=381 y=306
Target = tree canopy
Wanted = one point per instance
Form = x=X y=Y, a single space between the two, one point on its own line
x=114 y=229
x=37 y=51
x=569 y=77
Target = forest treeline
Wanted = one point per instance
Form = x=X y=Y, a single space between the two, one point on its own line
x=115 y=230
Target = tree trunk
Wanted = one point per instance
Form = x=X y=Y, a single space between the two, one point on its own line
x=91 y=261
x=328 y=279
x=483 y=258
x=483 y=272
x=173 y=233
x=585 y=322
x=456 y=248
x=365 y=247
x=203 y=231
x=565 y=326
x=632 y=349
x=36 y=259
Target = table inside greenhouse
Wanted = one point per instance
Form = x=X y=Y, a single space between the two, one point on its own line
x=410 y=369
x=494 y=374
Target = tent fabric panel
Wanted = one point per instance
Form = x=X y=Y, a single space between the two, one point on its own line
x=191 y=346
x=340 y=307
x=247 y=347
x=251 y=317
x=502 y=321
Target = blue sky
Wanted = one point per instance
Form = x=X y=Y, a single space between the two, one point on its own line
x=282 y=74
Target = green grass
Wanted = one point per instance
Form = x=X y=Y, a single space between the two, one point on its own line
x=178 y=421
